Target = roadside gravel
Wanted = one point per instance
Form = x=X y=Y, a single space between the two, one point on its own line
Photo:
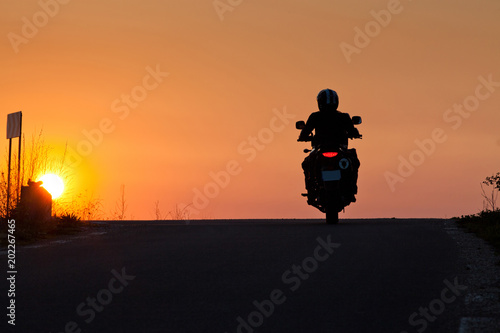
x=481 y=313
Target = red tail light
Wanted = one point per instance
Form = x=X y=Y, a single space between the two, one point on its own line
x=330 y=154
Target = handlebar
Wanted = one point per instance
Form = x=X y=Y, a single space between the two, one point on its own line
x=310 y=138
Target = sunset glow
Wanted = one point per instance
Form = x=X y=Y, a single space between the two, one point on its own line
x=193 y=107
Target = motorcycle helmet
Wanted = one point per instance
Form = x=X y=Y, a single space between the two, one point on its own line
x=328 y=99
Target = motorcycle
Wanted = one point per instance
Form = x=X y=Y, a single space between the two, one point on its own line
x=332 y=175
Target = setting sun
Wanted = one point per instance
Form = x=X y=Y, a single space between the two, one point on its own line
x=53 y=184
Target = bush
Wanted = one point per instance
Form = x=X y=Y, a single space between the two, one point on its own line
x=68 y=222
x=485 y=224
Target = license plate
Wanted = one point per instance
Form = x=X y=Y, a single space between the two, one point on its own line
x=329 y=175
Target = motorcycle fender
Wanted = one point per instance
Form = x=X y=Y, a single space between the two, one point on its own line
x=332 y=185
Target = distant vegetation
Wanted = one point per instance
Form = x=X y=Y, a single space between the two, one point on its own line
x=72 y=211
x=69 y=214
x=486 y=224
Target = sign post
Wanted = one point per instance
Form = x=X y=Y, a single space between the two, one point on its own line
x=14 y=124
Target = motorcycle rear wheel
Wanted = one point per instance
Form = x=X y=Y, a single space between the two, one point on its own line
x=332 y=216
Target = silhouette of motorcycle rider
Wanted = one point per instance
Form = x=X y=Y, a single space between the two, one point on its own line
x=332 y=128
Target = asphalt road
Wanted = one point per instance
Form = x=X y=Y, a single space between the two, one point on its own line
x=241 y=276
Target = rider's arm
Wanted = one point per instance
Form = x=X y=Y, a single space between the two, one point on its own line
x=307 y=130
x=352 y=132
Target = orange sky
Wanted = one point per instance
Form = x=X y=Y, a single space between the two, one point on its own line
x=200 y=88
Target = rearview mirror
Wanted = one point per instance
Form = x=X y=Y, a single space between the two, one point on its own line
x=356 y=120
x=300 y=124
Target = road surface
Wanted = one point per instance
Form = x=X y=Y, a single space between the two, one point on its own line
x=241 y=276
